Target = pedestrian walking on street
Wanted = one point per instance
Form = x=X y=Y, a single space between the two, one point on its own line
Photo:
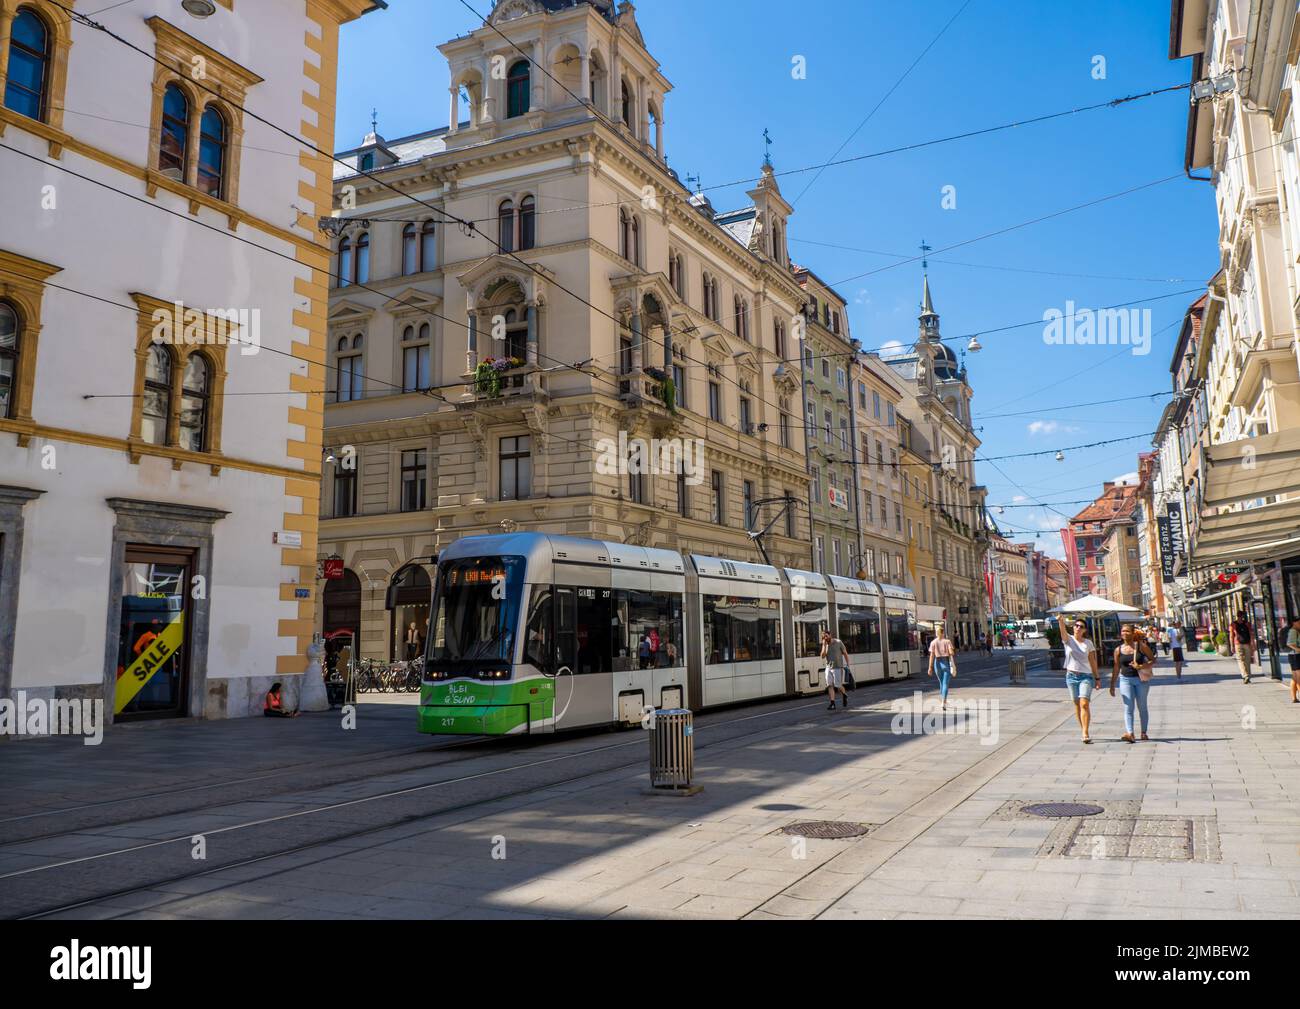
x=1243 y=641
x=836 y=656
x=1293 y=657
x=1133 y=670
x=943 y=663
x=1082 y=673
x=1176 y=644
x=1164 y=640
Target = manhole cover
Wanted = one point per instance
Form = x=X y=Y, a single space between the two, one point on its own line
x=1056 y=809
x=829 y=829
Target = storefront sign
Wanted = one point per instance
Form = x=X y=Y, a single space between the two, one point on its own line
x=838 y=498
x=287 y=539
x=1166 y=541
x=332 y=568
x=155 y=655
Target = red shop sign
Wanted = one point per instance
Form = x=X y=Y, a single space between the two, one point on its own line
x=333 y=568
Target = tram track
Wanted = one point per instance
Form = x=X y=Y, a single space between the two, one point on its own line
x=167 y=861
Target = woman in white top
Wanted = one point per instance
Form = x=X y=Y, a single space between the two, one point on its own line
x=942 y=661
x=1081 y=674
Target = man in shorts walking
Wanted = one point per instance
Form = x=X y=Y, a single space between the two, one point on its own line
x=836 y=656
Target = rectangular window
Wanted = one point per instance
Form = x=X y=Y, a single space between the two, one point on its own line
x=719 y=505
x=345 y=492
x=862 y=395
x=844 y=434
x=859 y=628
x=817 y=484
x=746 y=426
x=741 y=629
x=826 y=429
x=647 y=630
x=749 y=504
x=415 y=472
x=841 y=378
x=679 y=380
x=715 y=401
x=866 y=507
x=415 y=368
x=835 y=552
x=636 y=488
x=789 y=514
x=821 y=555
x=785 y=431
x=884 y=512
x=826 y=367
x=683 y=501
x=875 y=405
x=892 y=416
x=516 y=468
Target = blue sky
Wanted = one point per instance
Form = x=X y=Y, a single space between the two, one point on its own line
x=999 y=61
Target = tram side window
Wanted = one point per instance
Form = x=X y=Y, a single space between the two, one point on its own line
x=539 y=649
x=741 y=629
x=810 y=621
x=899 y=636
x=859 y=629
x=658 y=616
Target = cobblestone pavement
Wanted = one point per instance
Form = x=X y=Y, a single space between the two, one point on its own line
x=1201 y=822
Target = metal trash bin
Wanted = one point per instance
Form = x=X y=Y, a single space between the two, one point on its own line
x=672 y=751
x=1016 y=664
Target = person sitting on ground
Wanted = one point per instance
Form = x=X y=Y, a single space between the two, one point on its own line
x=273 y=706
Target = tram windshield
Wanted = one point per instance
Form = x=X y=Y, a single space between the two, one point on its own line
x=475 y=612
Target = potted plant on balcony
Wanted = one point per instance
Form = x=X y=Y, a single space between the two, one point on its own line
x=487 y=376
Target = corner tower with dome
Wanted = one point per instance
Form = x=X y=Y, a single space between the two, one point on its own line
x=937 y=411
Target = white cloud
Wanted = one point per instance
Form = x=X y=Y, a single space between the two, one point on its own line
x=862 y=298
x=1019 y=499
x=892 y=347
x=1050 y=427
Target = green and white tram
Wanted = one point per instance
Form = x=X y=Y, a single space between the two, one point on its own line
x=537 y=633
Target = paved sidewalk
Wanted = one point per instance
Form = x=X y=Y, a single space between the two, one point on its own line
x=1201 y=822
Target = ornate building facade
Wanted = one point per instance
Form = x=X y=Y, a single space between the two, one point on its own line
x=528 y=290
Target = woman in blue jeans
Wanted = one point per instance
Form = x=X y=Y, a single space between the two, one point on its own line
x=1133 y=658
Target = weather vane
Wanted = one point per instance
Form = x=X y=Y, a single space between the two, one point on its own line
x=374 y=121
x=767 y=143
x=925 y=250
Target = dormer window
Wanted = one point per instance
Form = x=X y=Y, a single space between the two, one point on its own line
x=518 y=89
x=368 y=161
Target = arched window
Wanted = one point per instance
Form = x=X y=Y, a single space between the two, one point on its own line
x=29 y=65
x=635 y=246
x=708 y=296
x=10 y=348
x=349 y=384
x=363 y=258
x=739 y=308
x=428 y=247
x=415 y=358
x=212 y=152
x=506 y=226
x=345 y=261
x=175 y=134
x=518 y=89
x=527 y=222
x=627 y=109
x=410 y=251
x=779 y=339
x=195 y=385
x=776 y=243
x=157 y=395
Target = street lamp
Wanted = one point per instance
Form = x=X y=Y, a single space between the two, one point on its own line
x=974 y=346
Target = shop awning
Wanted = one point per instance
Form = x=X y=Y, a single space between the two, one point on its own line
x=1248 y=536
x=1252 y=468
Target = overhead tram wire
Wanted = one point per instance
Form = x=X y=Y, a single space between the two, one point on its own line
x=884 y=98
x=450 y=218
